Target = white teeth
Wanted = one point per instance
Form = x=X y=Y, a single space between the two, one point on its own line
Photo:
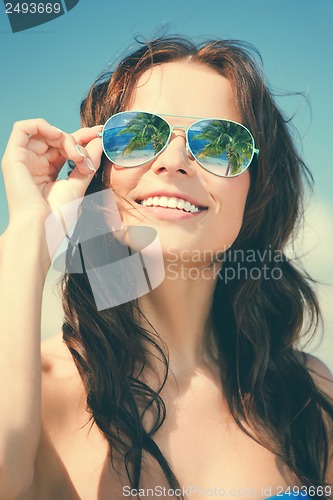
x=172 y=202
x=163 y=201
x=181 y=204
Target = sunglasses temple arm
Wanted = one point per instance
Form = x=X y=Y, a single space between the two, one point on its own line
x=99 y=134
x=255 y=150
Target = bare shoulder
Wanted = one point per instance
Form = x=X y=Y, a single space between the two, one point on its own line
x=54 y=351
x=321 y=374
x=323 y=379
x=62 y=388
x=57 y=361
x=61 y=411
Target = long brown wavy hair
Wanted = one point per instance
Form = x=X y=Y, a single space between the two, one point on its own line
x=263 y=373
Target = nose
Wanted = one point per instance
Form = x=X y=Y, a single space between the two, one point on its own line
x=176 y=158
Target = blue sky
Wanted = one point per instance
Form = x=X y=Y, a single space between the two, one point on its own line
x=46 y=71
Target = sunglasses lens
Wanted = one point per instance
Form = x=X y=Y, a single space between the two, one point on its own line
x=133 y=138
x=222 y=147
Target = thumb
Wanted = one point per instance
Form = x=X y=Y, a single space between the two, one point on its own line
x=83 y=173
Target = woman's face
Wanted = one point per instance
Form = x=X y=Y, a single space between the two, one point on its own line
x=186 y=89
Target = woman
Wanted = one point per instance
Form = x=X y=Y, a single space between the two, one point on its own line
x=197 y=384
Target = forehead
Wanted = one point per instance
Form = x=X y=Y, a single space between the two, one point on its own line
x=185 y=88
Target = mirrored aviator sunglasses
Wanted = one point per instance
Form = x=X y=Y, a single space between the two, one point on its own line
x=223 y=147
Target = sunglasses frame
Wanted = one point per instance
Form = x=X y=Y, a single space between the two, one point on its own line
x=185 y=129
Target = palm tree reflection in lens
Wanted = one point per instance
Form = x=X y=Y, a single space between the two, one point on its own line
x=225 y=141
x=146 y=128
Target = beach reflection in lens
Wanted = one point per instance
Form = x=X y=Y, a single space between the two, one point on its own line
x=133 y=138
x=222 y=147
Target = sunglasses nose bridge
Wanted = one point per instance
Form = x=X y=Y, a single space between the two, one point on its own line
x=178 y=127
x=184 y=129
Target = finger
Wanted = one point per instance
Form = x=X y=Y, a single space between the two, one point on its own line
x=84 y=135
x=95 y=154
x=70 y=149
x=95 y=151
x=38 y=145
x=86 y=158
x=80 y=181
x=24 y=129
x=86 y=161
x=19 y=149
x=56 y=158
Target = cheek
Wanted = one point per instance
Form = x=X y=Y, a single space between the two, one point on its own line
x=124 y=183
x=121 y=180
x=234 y=193
x=231 y=203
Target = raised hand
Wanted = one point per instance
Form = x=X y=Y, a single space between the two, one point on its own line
x=34 y=156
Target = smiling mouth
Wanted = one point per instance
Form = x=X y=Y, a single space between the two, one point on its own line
x=173 y=203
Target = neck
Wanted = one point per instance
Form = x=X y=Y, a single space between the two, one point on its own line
x=180 y=311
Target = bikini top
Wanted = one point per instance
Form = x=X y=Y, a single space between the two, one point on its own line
x=285 y=496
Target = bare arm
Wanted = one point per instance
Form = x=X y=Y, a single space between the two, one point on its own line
x=33 y=158
x=22 y=277
x=323 y=379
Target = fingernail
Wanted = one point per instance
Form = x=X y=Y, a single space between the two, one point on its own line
x=90 y=165
x=81 y=151
x=84 y=153
x=71 y=163
x=56 y=128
